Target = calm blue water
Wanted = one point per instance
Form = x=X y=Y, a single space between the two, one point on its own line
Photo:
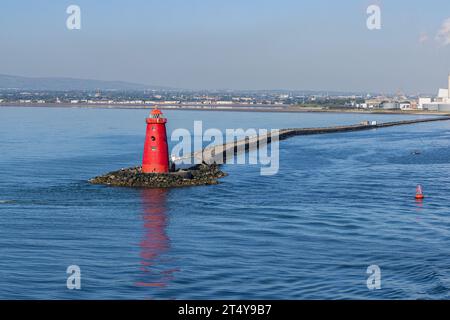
x=340 y=203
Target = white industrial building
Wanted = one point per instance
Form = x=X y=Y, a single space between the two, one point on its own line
x=440 y=103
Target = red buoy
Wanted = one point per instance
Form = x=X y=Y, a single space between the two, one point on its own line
x=156 y=151
x=419 y=193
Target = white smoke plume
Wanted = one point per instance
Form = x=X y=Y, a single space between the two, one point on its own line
x=443 y=35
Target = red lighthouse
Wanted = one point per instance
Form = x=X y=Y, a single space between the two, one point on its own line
x=156 y=151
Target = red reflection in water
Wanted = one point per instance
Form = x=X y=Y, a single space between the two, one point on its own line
x=419 y=204
x=155 y=241
x=419 y=207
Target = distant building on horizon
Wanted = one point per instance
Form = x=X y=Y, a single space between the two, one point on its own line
x=440 y=103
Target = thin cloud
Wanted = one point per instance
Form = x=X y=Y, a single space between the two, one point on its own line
x=423 y=37
x=443 y=35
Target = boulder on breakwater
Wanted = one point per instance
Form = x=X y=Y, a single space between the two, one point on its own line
x=202 y=174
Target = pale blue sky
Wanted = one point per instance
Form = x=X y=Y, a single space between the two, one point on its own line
x=236 y=44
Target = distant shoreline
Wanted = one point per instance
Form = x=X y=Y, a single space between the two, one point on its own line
x=234 y=108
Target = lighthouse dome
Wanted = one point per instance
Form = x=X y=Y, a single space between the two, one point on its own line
x=156 y=112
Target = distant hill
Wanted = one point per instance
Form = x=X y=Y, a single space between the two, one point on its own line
x=66 y=84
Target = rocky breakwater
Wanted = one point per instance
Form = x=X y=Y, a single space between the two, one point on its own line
x=201 y=174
